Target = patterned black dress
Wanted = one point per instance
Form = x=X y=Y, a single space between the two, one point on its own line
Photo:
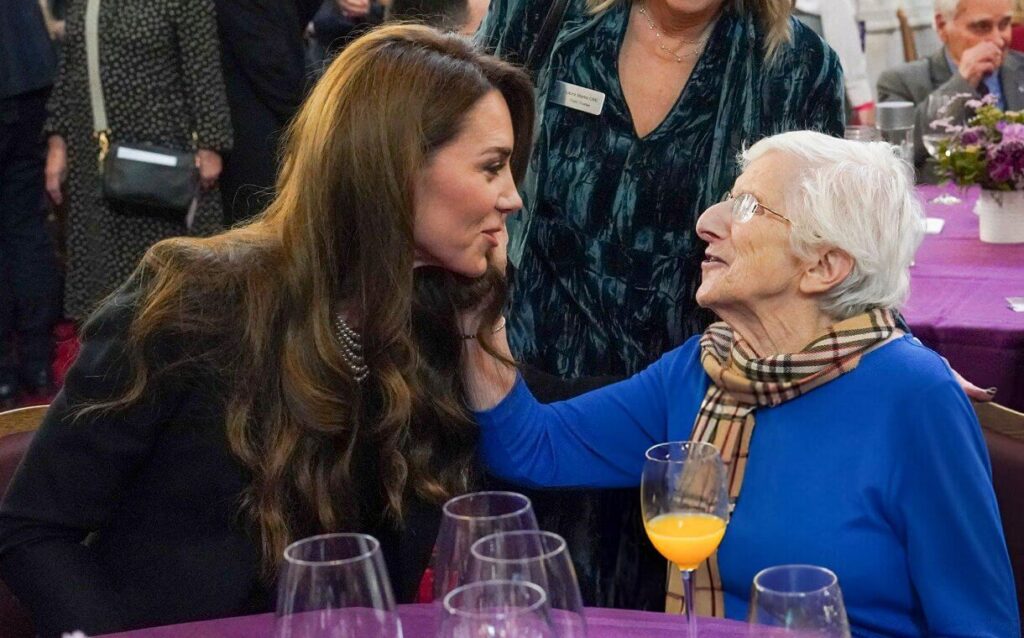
x=607 y=253
x=161 y=74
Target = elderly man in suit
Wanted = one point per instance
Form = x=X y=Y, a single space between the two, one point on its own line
x=976 y=59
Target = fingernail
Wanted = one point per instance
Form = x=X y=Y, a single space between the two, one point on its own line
x=991 y=391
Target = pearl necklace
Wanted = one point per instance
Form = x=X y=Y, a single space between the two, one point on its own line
x=699 y=42
x=351 y=348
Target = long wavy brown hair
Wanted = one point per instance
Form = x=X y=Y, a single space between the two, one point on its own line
x=251 y=310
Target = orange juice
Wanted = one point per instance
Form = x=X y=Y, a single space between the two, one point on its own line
x=686 y=539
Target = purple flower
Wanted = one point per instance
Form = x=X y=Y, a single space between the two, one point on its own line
x=1011 y=132
x=1006 y=161
x=971 y=135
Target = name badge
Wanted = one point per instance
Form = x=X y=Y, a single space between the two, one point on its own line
x=578 y=97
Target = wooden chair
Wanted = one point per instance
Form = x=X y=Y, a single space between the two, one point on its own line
x=22 y=419
x=16 y=430
x=907 y=35
x=1003 y=429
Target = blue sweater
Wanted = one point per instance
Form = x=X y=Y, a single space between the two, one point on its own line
x=880 y=475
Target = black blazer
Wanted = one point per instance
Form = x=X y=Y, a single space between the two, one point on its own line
x=117 y=523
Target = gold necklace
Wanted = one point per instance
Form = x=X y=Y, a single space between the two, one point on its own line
x=699 y=42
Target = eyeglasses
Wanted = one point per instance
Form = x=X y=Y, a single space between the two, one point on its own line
x=746 y=206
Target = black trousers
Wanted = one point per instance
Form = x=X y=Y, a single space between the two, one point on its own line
x=29 y=281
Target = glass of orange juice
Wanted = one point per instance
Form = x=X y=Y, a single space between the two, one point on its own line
x=685 y=502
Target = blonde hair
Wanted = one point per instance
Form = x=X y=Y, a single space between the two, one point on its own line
x=772 y=16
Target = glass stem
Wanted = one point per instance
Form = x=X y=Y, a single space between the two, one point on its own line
x=688 y=601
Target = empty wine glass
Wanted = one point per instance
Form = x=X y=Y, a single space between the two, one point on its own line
x=468 y=518
x=541 y=558
x=941 y=110
x=335 y=586
x=496 y=609
x=801 y=600
x=685 y=503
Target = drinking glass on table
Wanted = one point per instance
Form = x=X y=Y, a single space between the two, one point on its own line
x=465 y=520
x=941 y=110
x=798 y=600
x=541 y=558
x=335 y=586
x=685 y=503
x=496 y=609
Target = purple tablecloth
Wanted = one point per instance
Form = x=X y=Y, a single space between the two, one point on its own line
x=421 y=621
x=957 y=306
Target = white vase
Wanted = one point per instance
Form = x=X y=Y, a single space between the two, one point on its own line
x=1001 y=216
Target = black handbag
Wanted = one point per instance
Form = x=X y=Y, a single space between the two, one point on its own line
x=138 y=179
x=150 y=178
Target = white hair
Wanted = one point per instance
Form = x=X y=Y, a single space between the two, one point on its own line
x=858 y=197
x=947 y=8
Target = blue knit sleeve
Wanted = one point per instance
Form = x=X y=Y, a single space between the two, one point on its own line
x=944 y=506
x=597 y=439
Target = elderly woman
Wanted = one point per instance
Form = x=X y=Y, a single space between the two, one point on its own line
x=854 y=447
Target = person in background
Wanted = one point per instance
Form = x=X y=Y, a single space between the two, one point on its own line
x=294 y=376
x=446 y=15
x=836 y=22
x=975 y=59
x=847 y=443
x=162 y=84
x=262 y=52
x=339 y=22
x=28 y=270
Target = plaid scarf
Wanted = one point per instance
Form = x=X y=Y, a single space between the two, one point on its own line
x=741 y=382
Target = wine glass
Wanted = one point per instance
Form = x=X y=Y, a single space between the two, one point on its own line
x=496 y=609
x=541 y=558
x=940 y=112
x=802 y=600
x=468 y=518
x=335 y=586
x=685 y=504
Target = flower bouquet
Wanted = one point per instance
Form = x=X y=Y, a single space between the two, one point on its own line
x=987 y=150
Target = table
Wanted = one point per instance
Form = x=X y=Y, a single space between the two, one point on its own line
x=957 y=306
x=421 y=621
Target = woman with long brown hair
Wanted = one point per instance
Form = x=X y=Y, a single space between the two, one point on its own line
x=289 y=377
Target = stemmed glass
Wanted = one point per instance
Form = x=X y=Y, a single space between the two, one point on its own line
x=335 y=586
x=541 y=558
x=496 y=609
x=685 y=503
x=800 y=600
x=937 y=116
x=468 y=518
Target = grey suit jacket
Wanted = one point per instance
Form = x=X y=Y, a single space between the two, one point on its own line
x=915 y=81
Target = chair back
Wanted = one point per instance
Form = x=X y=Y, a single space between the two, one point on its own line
x=1004 y=434
x=907 y=35
x=17 y=427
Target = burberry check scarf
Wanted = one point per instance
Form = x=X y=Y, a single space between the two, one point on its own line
x=741 y=382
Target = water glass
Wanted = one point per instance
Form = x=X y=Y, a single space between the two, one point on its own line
x=862 y=133
x=496 y=609
x=335 y=586
x=802 y=600
x=468 y=518
x=541 y=558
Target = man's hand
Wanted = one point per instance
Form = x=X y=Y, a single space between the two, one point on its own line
x=354 y=8
x=980 y=60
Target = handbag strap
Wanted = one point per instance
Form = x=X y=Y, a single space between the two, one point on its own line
x=92 y=55
x=545 y=38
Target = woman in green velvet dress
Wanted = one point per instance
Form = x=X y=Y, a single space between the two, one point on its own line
x=643 y=106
